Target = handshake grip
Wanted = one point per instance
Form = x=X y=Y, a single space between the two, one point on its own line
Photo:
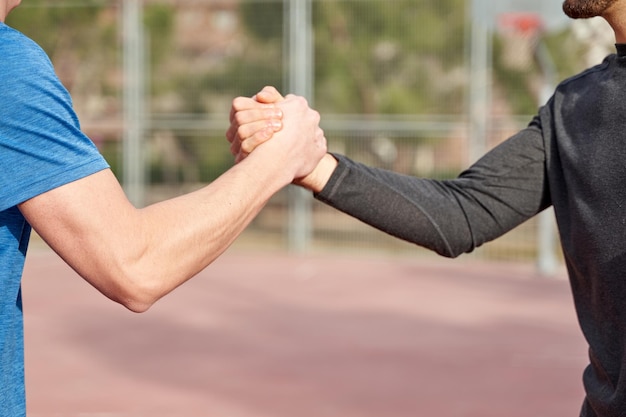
x=287 y=126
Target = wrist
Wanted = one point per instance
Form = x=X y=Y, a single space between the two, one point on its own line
x=272 y=162
x=317 y=180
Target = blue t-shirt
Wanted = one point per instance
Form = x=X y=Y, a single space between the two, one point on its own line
x=41 y=148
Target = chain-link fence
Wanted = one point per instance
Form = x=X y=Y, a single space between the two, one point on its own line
x=392 y=80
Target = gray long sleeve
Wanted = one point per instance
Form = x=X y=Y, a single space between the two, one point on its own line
x=499 y=192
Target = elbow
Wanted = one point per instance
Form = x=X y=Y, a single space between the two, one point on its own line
x=451 y=255
x=135 y=300
x=453 y=252
x=446 y=248
x=136 y=293
x=136 y=282
x=136 y=305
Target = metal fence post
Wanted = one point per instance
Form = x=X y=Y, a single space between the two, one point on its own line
x=300 y=81
x=480 y=76
x=133 y=97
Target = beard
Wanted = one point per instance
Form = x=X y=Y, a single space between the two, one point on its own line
x=585 y=9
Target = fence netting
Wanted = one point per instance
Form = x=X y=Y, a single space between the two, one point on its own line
x=390 y=78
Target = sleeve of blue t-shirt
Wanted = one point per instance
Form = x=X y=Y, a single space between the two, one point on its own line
x=41 y=144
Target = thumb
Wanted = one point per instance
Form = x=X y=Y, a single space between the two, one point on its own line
x=268 y=95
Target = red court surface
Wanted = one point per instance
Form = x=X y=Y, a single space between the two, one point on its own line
x=272 y=335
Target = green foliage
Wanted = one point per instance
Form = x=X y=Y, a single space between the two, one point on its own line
x=159 y=25
x=203 y=158
x=54 y=27
x=232 y=80
x=520 y=85
x=80 y=39
x=384 y=57
x=219 y=78
x=381 y=57
x=514 y=82
x=565 y=53
x=263 y=20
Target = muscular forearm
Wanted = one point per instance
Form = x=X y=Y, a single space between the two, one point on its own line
x=136 y=256
x=201 y=225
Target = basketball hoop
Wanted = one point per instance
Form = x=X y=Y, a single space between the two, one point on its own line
x=520 y=32
x=521 y=23
x=525 y=15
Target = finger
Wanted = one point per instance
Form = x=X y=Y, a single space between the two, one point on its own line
x=246 y=131
x=245 y=123
x=268 y=95
x=257 y=139
x=240 y=104
x=231 y=133
x=235 y=149
x=264 y=114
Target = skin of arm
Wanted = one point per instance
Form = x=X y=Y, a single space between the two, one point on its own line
x=136 y=256
x=254 y=121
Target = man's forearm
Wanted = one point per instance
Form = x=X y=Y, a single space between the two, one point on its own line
x=136 y=256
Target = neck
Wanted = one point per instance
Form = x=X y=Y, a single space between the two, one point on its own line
x=620 y=33
x=615 y=16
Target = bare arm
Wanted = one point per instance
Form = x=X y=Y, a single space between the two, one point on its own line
x=136 y=256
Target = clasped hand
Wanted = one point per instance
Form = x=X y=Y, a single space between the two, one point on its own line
x=289 y=121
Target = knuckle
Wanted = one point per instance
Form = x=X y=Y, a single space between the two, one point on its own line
x=238 y=102
x=249 y=145
x=302 y=101
x=239 y=118
x=242 y=132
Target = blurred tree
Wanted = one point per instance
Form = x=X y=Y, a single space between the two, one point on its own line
x=371 y=56
x=79 y=39
x=159 y=25
x=392 y=57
